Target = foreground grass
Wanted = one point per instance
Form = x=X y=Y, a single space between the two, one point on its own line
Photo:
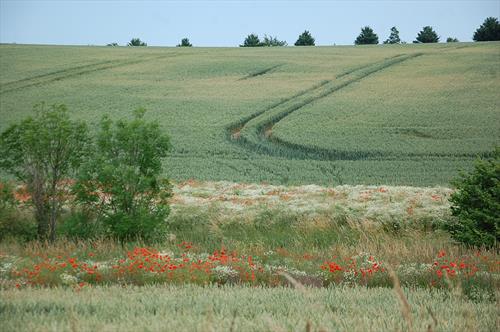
x=237 y=308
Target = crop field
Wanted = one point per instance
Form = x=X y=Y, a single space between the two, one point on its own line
x=195 y=308
x=386 y=115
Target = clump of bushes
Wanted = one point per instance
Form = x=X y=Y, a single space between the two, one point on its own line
x=110 y=182
x=476 y=204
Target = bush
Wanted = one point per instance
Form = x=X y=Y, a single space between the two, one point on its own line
x=121 y=182
x=14 y=223
x=476 y=204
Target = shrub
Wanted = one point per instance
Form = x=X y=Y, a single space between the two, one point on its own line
x=476 y=204
x=452 y=40
x=14 y=223
x=122 y=183
x=42 y=151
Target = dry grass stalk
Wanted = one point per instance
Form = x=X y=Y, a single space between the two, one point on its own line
x=404 y=305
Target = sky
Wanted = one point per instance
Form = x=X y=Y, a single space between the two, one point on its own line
x=226 y=23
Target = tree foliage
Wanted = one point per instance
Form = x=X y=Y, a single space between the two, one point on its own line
x=452 y=40
x=252 y=40
x=136 y=42
x=476 y=204
x=272 y=41
x=305 y=39
x=42 y=151
x=393 y=37
x=427 y=35
x=488 y=31
x=185 y=43
x=367 y=36
x=121 y=183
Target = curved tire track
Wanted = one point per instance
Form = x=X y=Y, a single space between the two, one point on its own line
x=255 y=131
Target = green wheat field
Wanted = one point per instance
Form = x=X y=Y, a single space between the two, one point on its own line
x=308 y=183
x=393 y=115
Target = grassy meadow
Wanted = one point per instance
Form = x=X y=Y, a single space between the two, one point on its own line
x=392 y=115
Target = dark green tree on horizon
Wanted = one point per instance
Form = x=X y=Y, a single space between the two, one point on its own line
x=305 y=39
x=488 y=31
x=452 y=40
x=185 y=43
x=273 y=41
x=136 y=42
x=393 y=37
x=367 y=36
x=252 y=40
x=427 y=35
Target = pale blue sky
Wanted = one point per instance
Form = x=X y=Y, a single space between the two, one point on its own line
x=226 y=23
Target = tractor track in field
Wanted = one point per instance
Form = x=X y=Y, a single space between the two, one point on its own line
x=62 y=74
x=255 y=131
x=260 y=72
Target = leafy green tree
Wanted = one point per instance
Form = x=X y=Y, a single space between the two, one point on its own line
x=305 y=39
x=427 y=35
x=393 y=37
x=42 y=151
x=136 y=42
x=252 y=40
x=451 y=40
x=121 y=183
x=272 y=41
x=185 y=43
x=367 y=36
x=476 y=204
x=488 y=31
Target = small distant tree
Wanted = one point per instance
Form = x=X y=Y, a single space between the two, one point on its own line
x=427 y=35
x=452 y=40
x=252 y=40
x=272 y=41
x=305 y=39
x=136 y=42
x=42 y=151
x=488 y=31
x=185 y=43
x=393 y=37
x=121 y=183
x=112 y=44
x=367 y=36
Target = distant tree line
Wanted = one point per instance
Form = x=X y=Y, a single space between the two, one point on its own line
x=488 y=31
